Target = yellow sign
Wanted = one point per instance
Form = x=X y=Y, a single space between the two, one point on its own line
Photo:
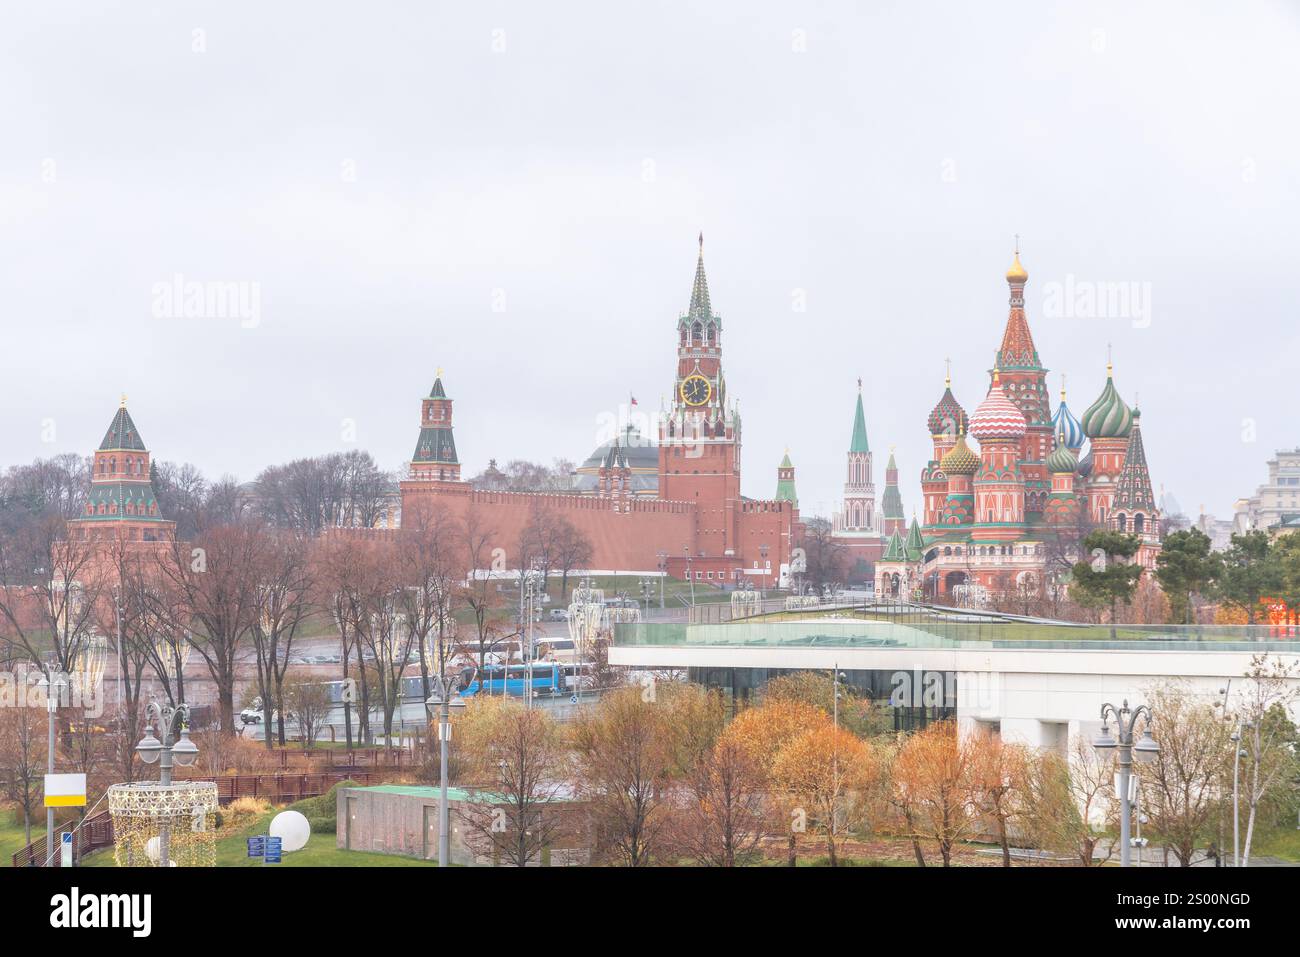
x=65 y=790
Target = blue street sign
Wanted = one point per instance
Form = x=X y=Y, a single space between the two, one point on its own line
x=272 y=851
x=256 y=846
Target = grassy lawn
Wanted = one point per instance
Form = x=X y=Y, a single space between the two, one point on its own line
x=232 y=851
x=1283 y=843
x=12 y=838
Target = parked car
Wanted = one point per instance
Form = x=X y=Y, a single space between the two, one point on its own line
x=559 y=614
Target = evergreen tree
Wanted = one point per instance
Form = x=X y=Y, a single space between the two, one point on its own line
x=1249 y=573
x=1109 y=577
x=1186 y=567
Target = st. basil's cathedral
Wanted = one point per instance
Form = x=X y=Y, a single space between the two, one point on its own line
x=996 y=518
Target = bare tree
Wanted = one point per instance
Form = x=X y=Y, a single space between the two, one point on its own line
x=213 y=579
x=1181 y=788
x=22 y=758
x=1070 y=803
x=572 y=551
x=521 y=756
x=625 y=761
x=309 y=700
x=1268 y=736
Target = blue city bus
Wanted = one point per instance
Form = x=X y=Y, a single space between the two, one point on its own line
x=548 y=678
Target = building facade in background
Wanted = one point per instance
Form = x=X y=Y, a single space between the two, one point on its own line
x=1275 y=506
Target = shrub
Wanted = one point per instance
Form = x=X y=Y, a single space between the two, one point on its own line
x=322 y=812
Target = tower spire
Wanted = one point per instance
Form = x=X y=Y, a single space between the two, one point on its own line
x=700 y=307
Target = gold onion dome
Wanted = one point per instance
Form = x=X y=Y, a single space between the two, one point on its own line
x=1017 y=272
x=960 y=460
x=1108 y=417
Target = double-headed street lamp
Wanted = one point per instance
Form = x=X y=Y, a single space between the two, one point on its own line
x=152 y=750
x=663 y=573
x=441 y=699
x=1144 y=751
x=1238 y=752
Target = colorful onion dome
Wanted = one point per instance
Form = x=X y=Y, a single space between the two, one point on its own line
x=1065 y=422
x=960 y=460
x=948 y=417
x=1108 y=417
x=1061 y=458
x=997 y=417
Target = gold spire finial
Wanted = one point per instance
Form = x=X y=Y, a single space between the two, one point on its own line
x=439 y=372
x=997 y=375
x=1062 y=386
x=1109 y=367
x=123 y=400
x=947 y=373
x=1017 y=273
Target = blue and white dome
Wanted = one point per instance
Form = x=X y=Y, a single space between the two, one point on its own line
x=1065 y=424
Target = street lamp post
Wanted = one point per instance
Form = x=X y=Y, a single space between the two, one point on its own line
x=1144 y=751
x=689 y=576
x=441 y=698
x=663 y=573
x=1238 y=752
x=50 y=683
x=152 y=750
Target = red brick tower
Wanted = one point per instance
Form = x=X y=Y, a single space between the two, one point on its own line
x=999 y=425
x=699 y=435
x=121 y=504
x=946 y=422
x=1024 y=381
x=435 y=451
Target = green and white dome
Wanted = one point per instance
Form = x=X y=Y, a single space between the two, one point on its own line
x=1108 y=417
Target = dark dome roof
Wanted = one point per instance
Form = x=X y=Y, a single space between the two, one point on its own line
x=642 y=458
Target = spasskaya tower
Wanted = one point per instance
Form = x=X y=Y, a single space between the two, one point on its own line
x=699 y=433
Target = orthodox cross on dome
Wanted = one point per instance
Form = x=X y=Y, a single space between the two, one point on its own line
x=947 y=373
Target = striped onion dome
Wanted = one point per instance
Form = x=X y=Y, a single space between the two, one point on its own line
x=948 y=417
x=1064 y=423
x=997 y=417
x=1061 y=458
x=960 y=460
x=1108 y=417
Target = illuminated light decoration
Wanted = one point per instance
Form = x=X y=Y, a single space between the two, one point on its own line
x=746 y=603
x=183 y=814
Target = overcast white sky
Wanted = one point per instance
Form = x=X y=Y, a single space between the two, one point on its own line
x=386 y=172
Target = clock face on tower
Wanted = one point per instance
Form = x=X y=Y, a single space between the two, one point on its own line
x=696 y=390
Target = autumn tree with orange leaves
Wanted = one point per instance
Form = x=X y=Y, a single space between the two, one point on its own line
x=826 y=769
x=931 y=776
